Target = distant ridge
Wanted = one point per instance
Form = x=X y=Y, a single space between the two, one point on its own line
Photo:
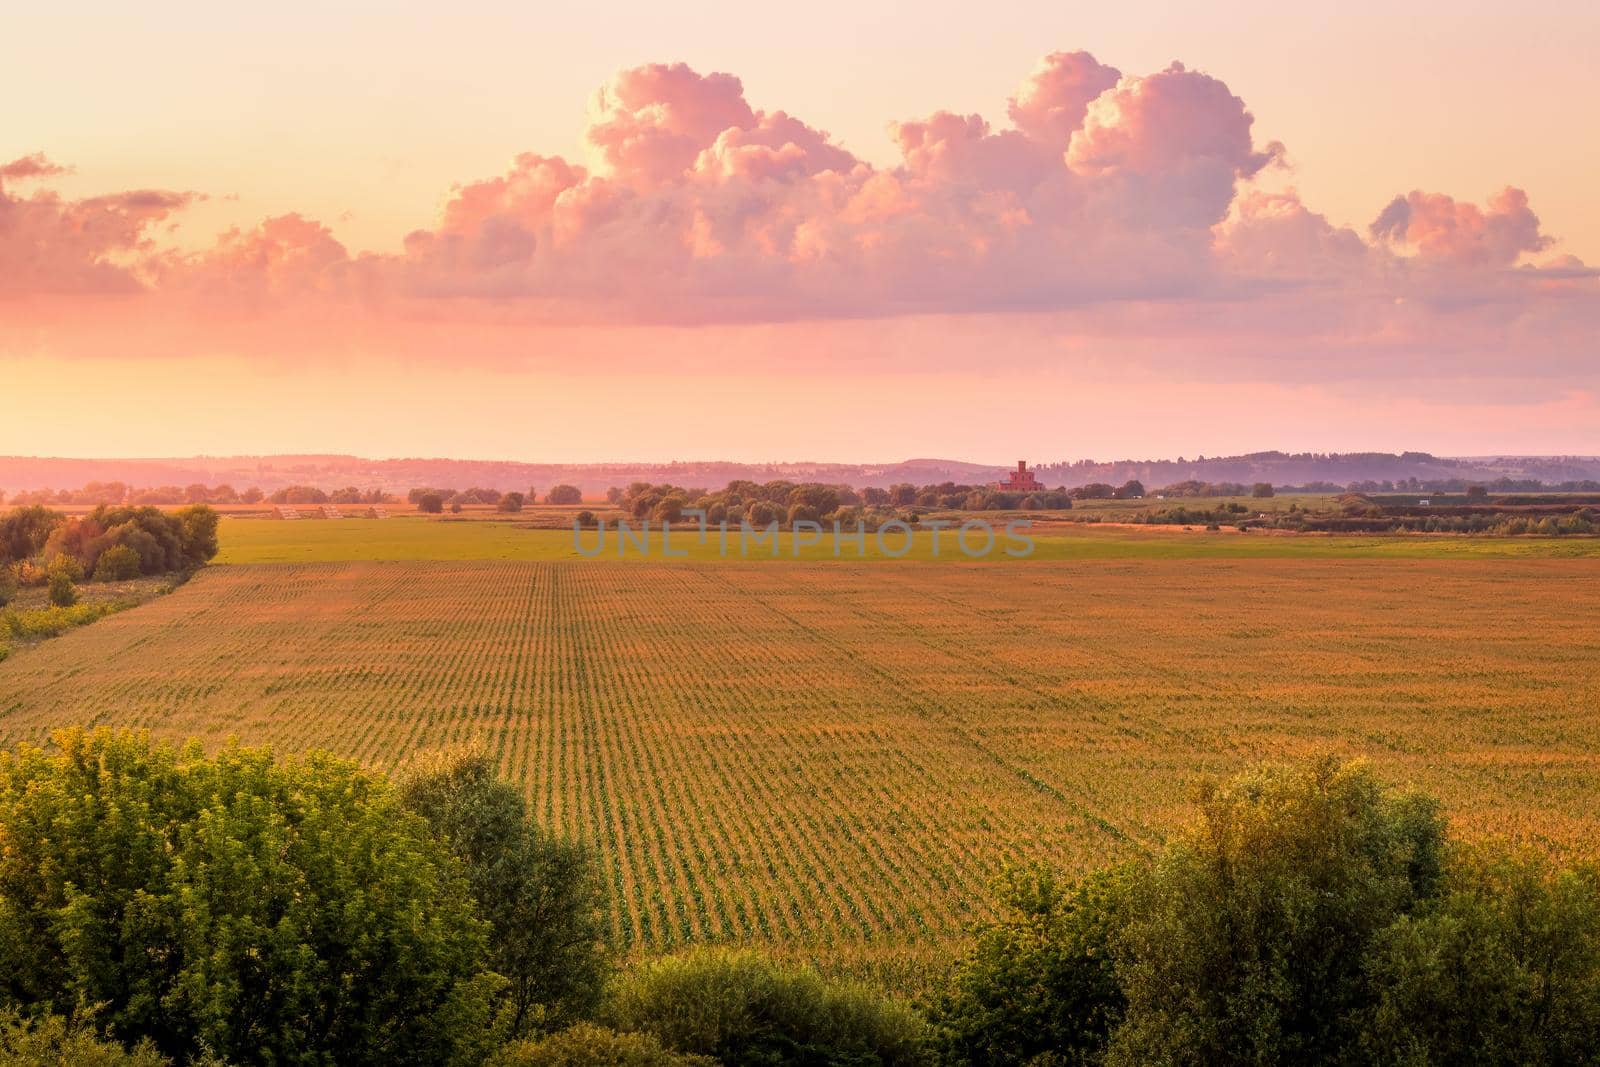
x=334 y=471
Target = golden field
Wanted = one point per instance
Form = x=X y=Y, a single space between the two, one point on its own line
x=843 y=754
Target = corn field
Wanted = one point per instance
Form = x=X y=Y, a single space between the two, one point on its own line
x=842 y=756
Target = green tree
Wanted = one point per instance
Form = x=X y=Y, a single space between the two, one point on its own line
x=199 y=534
x=1504 y=968
x=36 y=1042
x=802 y=513
x=1261 y=490
x=1248 y=939
x=268 y=911
x=117 y=564
x=24 y=532
x=512 y=502
x=741 y=1009
x=1041 y=980
x=430 y=503
x=537 y=891
x=564 y=494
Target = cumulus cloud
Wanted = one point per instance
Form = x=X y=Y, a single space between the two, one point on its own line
x=1050 y=105
x=1442 y=229
x=697 y=206
x=702 y=206
x=101 y=244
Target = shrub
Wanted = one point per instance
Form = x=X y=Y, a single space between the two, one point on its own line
x=63 y=594
x=586 y=518
x=55 y=621
x=511 y=503
x=8 y=585
x=587 y=1045
x=263 y=910
x=738 y=1007
x=64 y=565
x=430 y=503
x=117 y=564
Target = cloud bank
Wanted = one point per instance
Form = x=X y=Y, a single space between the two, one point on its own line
x=1103 y=191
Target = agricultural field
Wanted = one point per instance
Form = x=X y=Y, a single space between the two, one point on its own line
x=414 y=538
x=834 y=758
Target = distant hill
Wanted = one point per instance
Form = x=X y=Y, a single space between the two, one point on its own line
x=332 y=471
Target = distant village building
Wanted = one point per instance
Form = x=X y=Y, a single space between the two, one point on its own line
x=1020 y=480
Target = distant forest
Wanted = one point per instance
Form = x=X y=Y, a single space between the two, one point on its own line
x=1321 y=472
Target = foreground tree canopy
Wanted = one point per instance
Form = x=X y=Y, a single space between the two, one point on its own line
x=158 y=905
x=1308 y=916
x=258 y=909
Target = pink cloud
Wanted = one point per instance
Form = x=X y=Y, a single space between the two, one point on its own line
x=1050 y=105
x=702 y=208
x=1442 y=229
x=33 y=166
x=101 y=244
x=650 y=123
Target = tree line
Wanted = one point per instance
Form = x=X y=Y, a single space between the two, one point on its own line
x=784 y=502
x=158 y=905
x=436 y=501
x=39 y=546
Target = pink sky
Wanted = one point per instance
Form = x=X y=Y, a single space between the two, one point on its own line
x=294 y=235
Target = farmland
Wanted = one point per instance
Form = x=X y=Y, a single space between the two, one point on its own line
x=839 y=755
x=419 y=539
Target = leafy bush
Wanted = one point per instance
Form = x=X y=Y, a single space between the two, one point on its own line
x=55 y=621
x=264 y=910
x=65 y=566
x=63 y=594
x=587 y=1045
x=117 y=564
x=8 y=585
x=744 y=1009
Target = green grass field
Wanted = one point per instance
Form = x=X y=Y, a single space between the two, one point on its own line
x=445 y=540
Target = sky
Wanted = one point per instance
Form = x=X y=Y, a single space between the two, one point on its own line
x=838 y=232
